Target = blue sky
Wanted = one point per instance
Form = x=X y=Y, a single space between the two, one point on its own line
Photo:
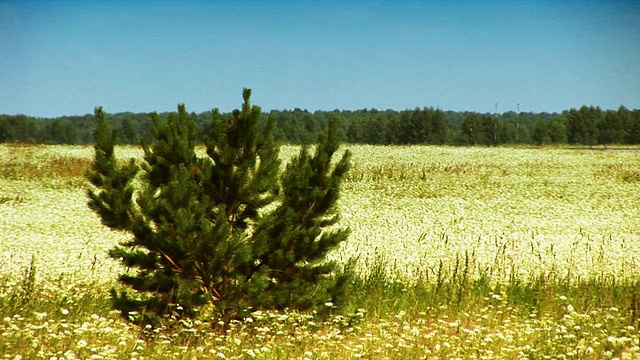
x=66 y=57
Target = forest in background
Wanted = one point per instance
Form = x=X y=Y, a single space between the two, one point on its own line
x=587 y=125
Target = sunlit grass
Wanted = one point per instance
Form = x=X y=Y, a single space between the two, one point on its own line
x=386 y=319
x=468 y=253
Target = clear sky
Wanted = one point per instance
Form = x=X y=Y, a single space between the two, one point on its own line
x=66 y=57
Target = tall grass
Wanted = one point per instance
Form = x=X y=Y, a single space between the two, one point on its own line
x=27 y=161
x=448 y=317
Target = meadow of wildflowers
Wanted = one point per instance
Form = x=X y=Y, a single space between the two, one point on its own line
x=540 y=249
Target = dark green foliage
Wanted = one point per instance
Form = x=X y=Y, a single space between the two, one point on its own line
x=19 y=128
x=612 y=128
x=588 y=125
x=541 y=133
x=481 y=129
x=114 y=202
x=226 y=228
x=582 y=125
x=290 y=242
x=422 y=126
x=557 y=130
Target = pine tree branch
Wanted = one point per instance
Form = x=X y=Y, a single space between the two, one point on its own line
x=166 y=256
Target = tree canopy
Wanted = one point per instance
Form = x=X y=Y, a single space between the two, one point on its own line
x=582 y=126
x=228 y=227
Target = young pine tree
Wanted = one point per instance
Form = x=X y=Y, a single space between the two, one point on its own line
x=225 y=227
x=291 y=242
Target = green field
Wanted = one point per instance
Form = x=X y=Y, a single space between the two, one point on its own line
x=487 y=253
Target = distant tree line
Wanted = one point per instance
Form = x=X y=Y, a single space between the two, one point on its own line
x=584 y=126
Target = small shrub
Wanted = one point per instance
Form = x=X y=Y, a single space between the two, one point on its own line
x=229 y=228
